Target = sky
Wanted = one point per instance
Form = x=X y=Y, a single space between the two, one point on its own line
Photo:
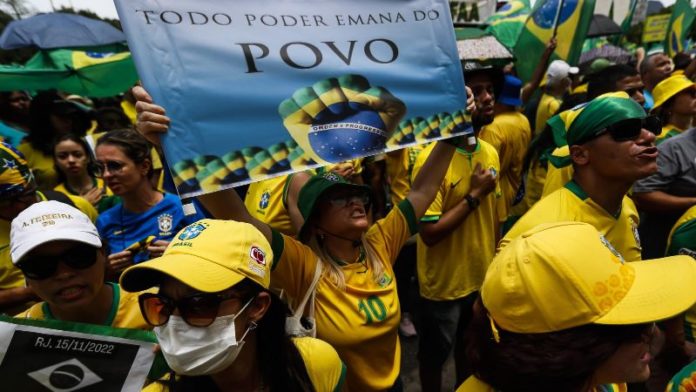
x=106 y=8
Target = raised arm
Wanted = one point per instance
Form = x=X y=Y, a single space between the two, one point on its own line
x=152 y=123
x=538 y=74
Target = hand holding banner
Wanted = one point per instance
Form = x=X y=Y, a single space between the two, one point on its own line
x=263 y=88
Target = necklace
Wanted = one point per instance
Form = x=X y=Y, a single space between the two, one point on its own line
x=341 y=262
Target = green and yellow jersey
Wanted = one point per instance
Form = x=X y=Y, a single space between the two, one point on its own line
x=124 y=312
x=682 y=240
x=41 y=165
x=571 y=203
x=107 y=201
x=455 y=266
x=509 y=134
x=548 y=106
x=359 y=320
x=473 y=384
x=266 y=201
x=668 y=131
x=557 y=176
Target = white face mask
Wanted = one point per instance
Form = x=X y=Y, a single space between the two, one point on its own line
x=195 y=351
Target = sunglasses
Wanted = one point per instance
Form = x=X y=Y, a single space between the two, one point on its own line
x=112 y=166
x=629 y=129
x=198 y=310
x=78 y=257
x=341 y=201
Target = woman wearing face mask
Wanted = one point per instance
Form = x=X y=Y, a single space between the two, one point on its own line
x=218 y=326
x=77 y=173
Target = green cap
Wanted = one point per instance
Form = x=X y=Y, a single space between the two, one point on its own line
x=312 y=191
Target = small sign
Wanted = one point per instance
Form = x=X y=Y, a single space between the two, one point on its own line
x=655 y=28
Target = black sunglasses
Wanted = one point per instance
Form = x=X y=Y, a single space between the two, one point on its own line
x=629 y=129
x=198 y=310
x=341 y=201
x=111 y=166
x=81 y=256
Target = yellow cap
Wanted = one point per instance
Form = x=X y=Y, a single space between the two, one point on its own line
x=209 y=256
x=670 y=87
x=563 y=275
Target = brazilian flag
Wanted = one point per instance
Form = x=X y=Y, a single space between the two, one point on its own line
x=680 y=24
x=507 y=23
x=91 y=74
x=574 y=17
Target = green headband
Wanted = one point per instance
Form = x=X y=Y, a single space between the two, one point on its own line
x=600 y=113
x=583 y=122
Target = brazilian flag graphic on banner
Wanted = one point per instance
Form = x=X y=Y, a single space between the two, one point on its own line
x=507 y=23
x=574 y=18
x=680 y=25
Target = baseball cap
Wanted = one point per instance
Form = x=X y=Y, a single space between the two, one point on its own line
x=559 y=69
x=48 y=221
x=210 y=256
x=315 y=187
x=15 y=176
x=670 y=87
x=566 y=274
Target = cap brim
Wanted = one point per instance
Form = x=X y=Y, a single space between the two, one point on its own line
x=39 y=239
x=662 y=289
x=193 y=271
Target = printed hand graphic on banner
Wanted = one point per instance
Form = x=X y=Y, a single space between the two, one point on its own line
x=342 y=118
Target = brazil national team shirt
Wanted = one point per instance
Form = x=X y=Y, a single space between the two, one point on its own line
x=682 y=240
x=265 y=201
x=473 y=384
x=359 y=320
x=127 y=230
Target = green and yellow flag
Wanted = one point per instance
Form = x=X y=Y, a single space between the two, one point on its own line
x=507 y=23
x=680 y=25
x=571 y=20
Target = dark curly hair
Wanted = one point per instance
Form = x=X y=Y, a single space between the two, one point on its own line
x=535 y=362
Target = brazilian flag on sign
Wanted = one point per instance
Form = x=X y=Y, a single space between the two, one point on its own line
x=572 y=20
x=680 y=24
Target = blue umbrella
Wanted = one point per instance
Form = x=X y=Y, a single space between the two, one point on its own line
x=59 y=30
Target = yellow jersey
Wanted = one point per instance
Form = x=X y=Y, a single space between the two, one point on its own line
x=41 y=165
x=124 y=312
x=442 y=274
x=556 y=177
x=266 y=201
x=399 y=168
x=324 y=367
x=533 y=188
x=360 y=321
x=510 y=134
x=682 y=240
x=571 y=203
x=473 y=384
x=668 y=131
x=548 y=106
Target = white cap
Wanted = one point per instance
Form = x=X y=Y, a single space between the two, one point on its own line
x=48 y=221
x=558 y=70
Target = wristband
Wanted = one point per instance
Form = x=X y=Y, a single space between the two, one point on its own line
x=472 y=201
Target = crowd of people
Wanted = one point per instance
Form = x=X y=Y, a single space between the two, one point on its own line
x=552 y=250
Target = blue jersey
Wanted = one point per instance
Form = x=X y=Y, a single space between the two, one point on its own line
x=124 y=229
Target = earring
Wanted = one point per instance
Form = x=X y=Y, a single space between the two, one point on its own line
x=253 y=325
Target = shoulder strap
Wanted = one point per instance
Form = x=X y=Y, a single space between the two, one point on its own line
x=58 y=196
x=311 y=291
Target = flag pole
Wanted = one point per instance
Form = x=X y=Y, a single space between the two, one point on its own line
x=558 y=16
